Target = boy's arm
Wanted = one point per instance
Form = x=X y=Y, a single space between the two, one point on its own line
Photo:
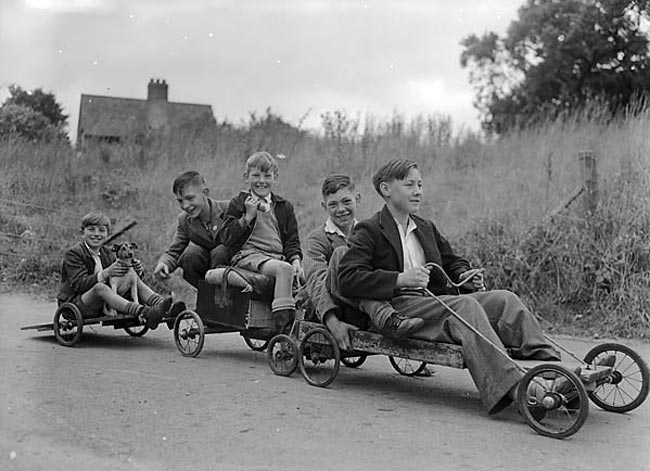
x=358 y=278
x=291 y=244
x=317 y=255
x=179 y=244
x=234 y=227
x=80 y=279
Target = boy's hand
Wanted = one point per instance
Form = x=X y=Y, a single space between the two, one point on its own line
x=137 y=267
x=161 y=271
x=117 y=269
x=251 y=208
x=340 y=330
x=416 y=277
x=478 y=281
x=297 y=269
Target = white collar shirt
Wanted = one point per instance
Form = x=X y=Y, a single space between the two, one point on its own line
x=98 y=261
x=332 y=228
x=411 y=247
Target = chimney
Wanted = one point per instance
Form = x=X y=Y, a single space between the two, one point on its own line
x=157 y=90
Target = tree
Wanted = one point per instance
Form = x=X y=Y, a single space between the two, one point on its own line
x=558 y=55
x=34 y=115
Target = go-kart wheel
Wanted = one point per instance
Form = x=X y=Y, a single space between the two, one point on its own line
x=354 y=361
x=258 y=345
x=189 y=333
x=68 y=324
x=282 y=355
x=627 y=387
x=553 y=401
x=136 y=330
x=319 y=357
x=407 y=367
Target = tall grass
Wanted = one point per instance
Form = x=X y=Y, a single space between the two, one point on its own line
x=492 y=198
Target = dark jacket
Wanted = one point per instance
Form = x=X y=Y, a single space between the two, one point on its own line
x=77 y=270
x=192 y=230
x=370 y=267
x=234 y=235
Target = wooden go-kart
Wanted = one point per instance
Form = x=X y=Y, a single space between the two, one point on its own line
x=553 y=397
x=68 y=324
x=229 y=300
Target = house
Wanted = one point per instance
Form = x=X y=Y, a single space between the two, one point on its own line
x=111 y=119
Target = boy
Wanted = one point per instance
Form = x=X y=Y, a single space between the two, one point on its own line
x=194 y=247
x=260 y=229
x=386 y=260
x=340 y=201
x=87 y=267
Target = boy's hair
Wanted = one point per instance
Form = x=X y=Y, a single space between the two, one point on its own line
x=185 y=179
x=397 y=169
x=336 y=182
x=263 y=161
x=95 y=218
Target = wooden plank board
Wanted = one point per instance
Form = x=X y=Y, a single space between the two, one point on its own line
x=39 y=327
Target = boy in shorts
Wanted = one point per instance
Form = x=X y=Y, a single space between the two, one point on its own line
x=261 y=230
x=87 y=267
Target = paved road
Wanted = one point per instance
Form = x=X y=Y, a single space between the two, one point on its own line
x=121 y=403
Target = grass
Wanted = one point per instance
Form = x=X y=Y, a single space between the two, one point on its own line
x=491 y=198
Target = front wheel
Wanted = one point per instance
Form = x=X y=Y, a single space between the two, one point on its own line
x=282 y=355
x=319 y=357
x=553 y=401
x=68 y=324
x=189 y=333
x=627 y=387
x=354 y=361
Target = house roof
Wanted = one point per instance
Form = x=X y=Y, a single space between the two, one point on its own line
x=111 y=116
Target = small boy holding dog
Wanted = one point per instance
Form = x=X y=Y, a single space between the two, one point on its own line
x=87 y=268
x=261 y=230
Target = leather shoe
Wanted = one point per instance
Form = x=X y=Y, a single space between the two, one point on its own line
x=399 y=327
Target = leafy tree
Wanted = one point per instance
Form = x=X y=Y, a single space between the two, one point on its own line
x=34 y=115
x=558 y=55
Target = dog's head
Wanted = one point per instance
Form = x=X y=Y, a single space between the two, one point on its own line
x=124 y=251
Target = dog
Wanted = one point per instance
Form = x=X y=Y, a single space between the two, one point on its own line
x=126 y=285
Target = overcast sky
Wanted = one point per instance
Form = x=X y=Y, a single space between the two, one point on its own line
x=296 y=56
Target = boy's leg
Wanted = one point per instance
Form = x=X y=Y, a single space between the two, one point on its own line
x=283 y=306
x=220 y=255
x=195 y=262
x=493 y=373
x=515 y=325
x=387 y=320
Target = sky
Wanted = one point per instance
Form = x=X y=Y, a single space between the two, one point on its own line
x=300 y=57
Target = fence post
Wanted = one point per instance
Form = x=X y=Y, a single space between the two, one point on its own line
x=589 y=179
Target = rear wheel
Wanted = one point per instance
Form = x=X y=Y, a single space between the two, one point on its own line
x=354 y=361
x=68 y=324
x=136 y=330
x=553 y=401
x=627 y=387
x=406 y=366
x=319 y=357
x=258 y=345
x=189 y=333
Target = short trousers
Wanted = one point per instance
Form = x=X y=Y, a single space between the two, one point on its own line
x=253 y=261
x=88 y=311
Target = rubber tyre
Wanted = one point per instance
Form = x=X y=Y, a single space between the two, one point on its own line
x=255 y=344
x=576 y=418
x=67 y=331
x=189 y=338
x=602 y=395
x=405 y=366
x=319 y=350
x=354 y=361
x=279 y=347
x=136 y=330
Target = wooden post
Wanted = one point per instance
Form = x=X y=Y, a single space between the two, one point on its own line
x=589 y=179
